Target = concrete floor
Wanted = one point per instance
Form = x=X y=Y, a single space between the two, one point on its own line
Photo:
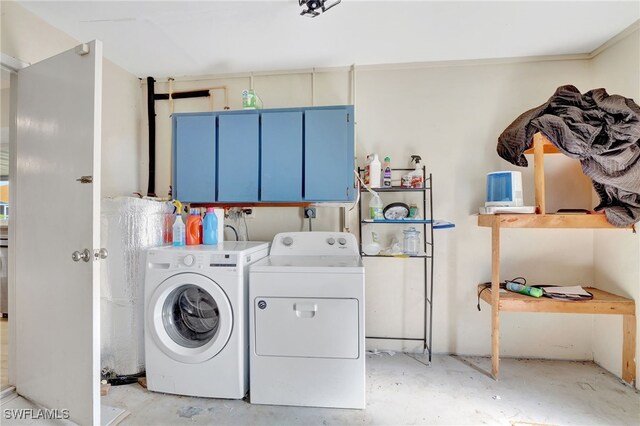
x=401 y=390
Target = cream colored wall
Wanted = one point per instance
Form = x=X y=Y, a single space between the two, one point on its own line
x=4 y=108
x=452 y=116
x=617 y=253
x=30 y=39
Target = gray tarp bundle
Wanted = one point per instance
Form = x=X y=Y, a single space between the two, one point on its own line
x=601 y=131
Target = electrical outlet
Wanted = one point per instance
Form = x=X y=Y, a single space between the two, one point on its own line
x=249 y=213
x=309 y=212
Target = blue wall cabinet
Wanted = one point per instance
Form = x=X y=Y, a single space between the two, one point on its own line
x=194 y=158
x=281 y=159
x=288 y=155
x=328 y=155
x=238 y=155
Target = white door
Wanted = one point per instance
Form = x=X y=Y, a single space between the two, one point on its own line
x=57 y=363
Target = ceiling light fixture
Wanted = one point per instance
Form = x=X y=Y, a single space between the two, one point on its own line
x=315 y=7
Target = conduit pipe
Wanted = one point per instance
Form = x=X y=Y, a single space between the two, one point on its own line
x=313 y=87
x=346 y=214
x=197 y=93
x=151 y=117
x=170 y=138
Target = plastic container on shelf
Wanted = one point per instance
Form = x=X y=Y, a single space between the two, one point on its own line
x=375 y=207
x=210 y=228
x=386 y=172
x=417 y=177
x=178 y=231
x=373 y=248
x=372 y=171
x=411 y=242
x=194 y=228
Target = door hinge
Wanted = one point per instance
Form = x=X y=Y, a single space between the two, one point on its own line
x=82 y=49
x=85 y=179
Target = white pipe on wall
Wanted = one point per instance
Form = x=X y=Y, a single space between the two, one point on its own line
x=346 y=213
x=313 y=87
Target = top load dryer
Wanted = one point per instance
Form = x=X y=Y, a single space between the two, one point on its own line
x=306 y=303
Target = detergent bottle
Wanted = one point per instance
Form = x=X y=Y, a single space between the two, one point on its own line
x=375 y=207
x=375 y=169
x=210 y=227
x=178 y=231
x=194 y=228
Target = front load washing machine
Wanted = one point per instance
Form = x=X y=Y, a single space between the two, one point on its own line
x=307 y=322
x=196 y=329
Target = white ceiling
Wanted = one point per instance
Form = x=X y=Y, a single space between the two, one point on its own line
x=162 y=38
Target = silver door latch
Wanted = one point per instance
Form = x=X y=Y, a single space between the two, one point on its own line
x=84 y=255
x=103 y=253
x=85 y=179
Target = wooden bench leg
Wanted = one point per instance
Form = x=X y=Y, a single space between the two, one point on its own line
x=495 y=300
x=629 y=349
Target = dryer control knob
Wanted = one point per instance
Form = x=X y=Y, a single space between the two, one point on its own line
x=287 y=241
x=189 y=260
x=331 y=241
x=342 y=241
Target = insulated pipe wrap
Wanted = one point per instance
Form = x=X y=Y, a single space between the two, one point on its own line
x=129 y=226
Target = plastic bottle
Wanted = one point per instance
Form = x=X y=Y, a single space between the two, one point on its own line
x=413 y=210
x=210 y=228
x=375 y=207
x=367 y=169
x=178 y=231
x=386 y=172
x=524 y=289
x=169 y=220
x=194 y=228
x=417 y=179
x=375 y=172
x=373 y=248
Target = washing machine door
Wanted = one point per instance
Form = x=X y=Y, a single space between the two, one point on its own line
x=190 y=317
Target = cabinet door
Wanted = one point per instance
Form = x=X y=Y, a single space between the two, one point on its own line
x=238 y=150
x=328 y=156
x=281 y=162
x=194 y=160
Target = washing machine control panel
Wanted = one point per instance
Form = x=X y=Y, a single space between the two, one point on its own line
x=189 y=260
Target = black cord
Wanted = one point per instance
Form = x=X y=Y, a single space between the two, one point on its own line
x=519 y=280
x=234 y=231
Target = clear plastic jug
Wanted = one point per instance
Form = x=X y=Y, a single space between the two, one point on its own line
x=411 y=242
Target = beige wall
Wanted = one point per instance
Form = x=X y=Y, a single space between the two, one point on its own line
x=30 y=39
x=617 y=253
x=451 y=115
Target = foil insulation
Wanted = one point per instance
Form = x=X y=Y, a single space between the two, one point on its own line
x=129 y=226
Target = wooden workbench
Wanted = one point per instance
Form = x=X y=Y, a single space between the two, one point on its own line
x=602 y=303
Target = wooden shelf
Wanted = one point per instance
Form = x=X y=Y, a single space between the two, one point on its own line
x=602 y=303
x=547 y=148
x=576 y=221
